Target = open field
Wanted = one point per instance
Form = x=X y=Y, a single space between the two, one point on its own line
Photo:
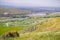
x=38 y=28
x=6 y=26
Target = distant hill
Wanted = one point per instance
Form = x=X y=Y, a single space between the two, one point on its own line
x=27 y=11
x=13 y=11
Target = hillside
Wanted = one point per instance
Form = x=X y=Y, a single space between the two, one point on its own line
x=14 y=11
x=46 y=30
x=34 y=28
x=52 y=24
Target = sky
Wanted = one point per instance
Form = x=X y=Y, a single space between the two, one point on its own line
x=31 y=3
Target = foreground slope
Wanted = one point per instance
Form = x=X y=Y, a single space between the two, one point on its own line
x=46 y=30
x=52 y=24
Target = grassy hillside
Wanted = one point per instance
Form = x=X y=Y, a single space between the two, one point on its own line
x=52 y=24
x=17 y=25
x=46 y=30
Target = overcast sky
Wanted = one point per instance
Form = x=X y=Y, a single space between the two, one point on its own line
x=32 y=3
